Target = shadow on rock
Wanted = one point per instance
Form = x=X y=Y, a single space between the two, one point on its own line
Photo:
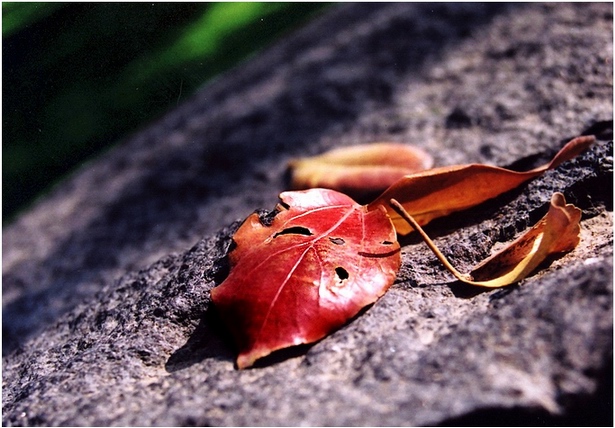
x=209 y=340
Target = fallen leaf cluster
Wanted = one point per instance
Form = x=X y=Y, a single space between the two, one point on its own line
x=324 y=257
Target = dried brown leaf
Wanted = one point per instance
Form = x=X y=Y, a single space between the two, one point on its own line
x=557 y=232
x=441 y=191
x=359 y=171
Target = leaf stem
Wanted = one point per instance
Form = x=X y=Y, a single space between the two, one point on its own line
x=399 y=209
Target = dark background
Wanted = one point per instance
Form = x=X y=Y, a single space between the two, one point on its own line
x=77 y=77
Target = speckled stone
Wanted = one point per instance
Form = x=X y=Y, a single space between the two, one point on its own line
x=106 y=311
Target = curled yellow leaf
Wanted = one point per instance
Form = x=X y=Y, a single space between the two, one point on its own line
x=557 y=232
x=440 y=191
x=359 y=171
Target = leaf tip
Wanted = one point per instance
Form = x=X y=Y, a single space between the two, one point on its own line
x=245 y=361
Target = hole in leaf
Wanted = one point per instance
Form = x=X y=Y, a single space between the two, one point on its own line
x=341 y=273
x=337 y=241
x=387 y=243
x=295 y=230
x=266 y=217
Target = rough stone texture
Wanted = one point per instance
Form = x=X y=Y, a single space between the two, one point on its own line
x=106 y=311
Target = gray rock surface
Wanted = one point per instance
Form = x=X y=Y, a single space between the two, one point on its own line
x=106 y=311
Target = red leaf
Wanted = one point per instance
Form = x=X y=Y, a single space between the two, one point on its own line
x=322 y=260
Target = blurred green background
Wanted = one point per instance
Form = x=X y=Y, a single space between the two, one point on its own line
x=77 y=77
